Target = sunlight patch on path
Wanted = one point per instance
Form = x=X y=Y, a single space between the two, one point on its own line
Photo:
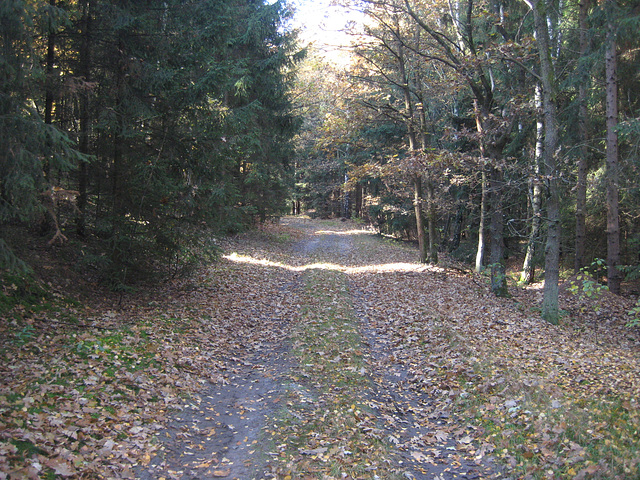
x=380 y=268
x=344 y=232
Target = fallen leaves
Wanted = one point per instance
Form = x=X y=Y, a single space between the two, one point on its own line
x=326 y=424
x=528 y=385
x=341 y=417
x=61 y=467
x=397 y=362
x=419 y=456
x=221 y=473
x=77 y=402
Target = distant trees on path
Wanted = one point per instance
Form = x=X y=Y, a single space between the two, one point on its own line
x=521 y=117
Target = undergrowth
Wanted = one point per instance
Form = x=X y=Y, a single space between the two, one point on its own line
x=545 y=426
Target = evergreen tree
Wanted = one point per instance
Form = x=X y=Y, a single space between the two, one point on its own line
x=181 y=112
x=28 y=143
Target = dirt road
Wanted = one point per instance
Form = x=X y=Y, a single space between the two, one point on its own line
x=335 y=393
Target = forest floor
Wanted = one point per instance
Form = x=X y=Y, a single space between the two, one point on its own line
x=316 y=350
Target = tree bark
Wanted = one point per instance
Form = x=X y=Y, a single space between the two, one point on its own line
x=550 y=308
x=528 y=268
x=613 y=221
x=496 y=259
x=483 y=213
x=417 y=205
x=583 y=115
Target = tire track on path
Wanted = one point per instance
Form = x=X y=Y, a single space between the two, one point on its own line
x=270 y=415
x=404 y=418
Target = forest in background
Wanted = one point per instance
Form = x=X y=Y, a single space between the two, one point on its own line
x=137 y=137
x=492 y=130
x=486 y=129
x=136 y=129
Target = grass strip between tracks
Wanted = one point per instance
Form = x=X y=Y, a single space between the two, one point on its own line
x=327 y=430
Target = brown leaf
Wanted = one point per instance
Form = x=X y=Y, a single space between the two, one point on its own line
x=546 y=452
x=418 y=456
x=61 y=467
x=315 y=451
x=441 y=436
x=221 y=473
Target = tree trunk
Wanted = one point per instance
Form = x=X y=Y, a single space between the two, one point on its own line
x=417 y=205
x=358 y=200
x=550 y=308
x=583 y=115
x=85 y=119
x=528 y=268
x=114 y=172
x=432 y=251
x=49 y=72
x=498 y=273
x=417 y=180
x=49 y=69
x=491 y=193
x=613 y=221
x=481 y=227
x=46 y=224
x=432 y=247
x=346 y=198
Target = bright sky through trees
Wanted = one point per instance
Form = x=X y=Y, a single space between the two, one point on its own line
x=325 y=25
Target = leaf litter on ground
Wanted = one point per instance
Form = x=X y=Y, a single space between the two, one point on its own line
x=399 y=369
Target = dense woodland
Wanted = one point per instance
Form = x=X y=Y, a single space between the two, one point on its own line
x=491 y=130
x=160 y=318
x=132 y=126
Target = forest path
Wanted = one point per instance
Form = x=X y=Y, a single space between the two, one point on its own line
x=349 y=359
x=330 y=397
x=317 y=350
